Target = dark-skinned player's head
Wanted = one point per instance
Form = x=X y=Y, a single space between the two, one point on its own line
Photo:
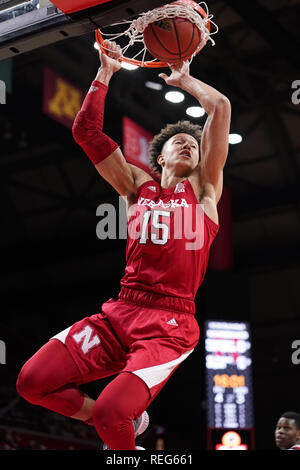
x=287 y=431
x=176 y=147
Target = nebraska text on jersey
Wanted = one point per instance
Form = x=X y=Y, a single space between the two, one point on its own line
x=162 y=221
x=172 y=203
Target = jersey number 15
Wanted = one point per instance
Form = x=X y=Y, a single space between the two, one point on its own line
x=156 y=224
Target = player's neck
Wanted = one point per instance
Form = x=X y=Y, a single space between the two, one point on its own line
x=169 y=180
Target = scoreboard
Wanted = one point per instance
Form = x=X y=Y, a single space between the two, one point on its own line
x=229 y=380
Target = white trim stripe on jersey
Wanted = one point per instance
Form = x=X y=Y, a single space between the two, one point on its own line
x=156 y=374
x=62 y=335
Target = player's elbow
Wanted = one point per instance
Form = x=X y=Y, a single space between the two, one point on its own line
x=223 y=105
x=82 y=129
x=222 y=111
x=78 y=127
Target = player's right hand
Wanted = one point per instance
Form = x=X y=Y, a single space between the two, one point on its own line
x=179 y=72
x=110 y=60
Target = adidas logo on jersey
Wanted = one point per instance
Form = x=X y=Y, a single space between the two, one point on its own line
x=179 y=188
x=172 y=322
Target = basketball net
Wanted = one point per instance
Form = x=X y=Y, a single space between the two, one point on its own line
x=197 y=13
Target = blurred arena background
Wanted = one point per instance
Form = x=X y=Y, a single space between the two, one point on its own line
x=54 y=269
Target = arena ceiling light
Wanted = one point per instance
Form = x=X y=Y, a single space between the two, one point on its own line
x=195 y=111
x=128 y=66
x=174 y=96
x=235 y=138
x=153 y=85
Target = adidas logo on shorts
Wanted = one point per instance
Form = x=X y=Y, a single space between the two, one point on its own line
x=172 y=322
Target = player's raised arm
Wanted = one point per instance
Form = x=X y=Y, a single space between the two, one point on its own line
x=104 y=153
x=214 y=141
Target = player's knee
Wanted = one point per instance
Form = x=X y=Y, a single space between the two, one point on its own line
x=28 y=384
x=102 y=415
x=109 y=417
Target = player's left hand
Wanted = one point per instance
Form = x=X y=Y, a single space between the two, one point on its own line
x=178 y=73
x=111 y=59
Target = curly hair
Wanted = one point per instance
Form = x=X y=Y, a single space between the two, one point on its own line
x=185 y=127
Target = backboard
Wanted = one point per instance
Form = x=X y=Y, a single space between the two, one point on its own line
x=28 y=25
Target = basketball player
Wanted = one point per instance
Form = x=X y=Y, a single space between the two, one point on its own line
x=287 y=431
x=145 y=334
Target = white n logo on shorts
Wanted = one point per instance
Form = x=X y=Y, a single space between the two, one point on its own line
x=85 y=335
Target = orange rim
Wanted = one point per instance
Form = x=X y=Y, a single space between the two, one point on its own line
x=157 y=64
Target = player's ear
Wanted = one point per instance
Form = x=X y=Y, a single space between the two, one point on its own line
x=161 y=160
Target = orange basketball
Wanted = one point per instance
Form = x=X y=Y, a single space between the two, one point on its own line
x=172 y=40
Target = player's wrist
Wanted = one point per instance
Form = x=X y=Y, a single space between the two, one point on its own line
x=104 y=75
x=186 y=81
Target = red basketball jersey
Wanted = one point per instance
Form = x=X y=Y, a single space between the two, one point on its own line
x=169 y=237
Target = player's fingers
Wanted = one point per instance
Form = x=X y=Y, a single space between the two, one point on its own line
x=105 y=45
x=175 y=67
x=117 y=51
x=113 y=50
x=163 y=76
x=102 y=49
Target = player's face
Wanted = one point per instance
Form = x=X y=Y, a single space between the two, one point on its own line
x=180 y=152
x=286 y=433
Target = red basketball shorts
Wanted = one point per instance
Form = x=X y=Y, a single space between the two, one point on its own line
x=143 y=333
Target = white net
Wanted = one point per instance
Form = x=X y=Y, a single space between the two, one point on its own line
x=181 y=9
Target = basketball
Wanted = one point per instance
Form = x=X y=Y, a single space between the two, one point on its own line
x=172 y=40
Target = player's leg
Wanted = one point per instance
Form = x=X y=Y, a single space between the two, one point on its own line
x=122 y=400
x=86 y=411
x=49 y=379
x=126 y=397
x=82 y=353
